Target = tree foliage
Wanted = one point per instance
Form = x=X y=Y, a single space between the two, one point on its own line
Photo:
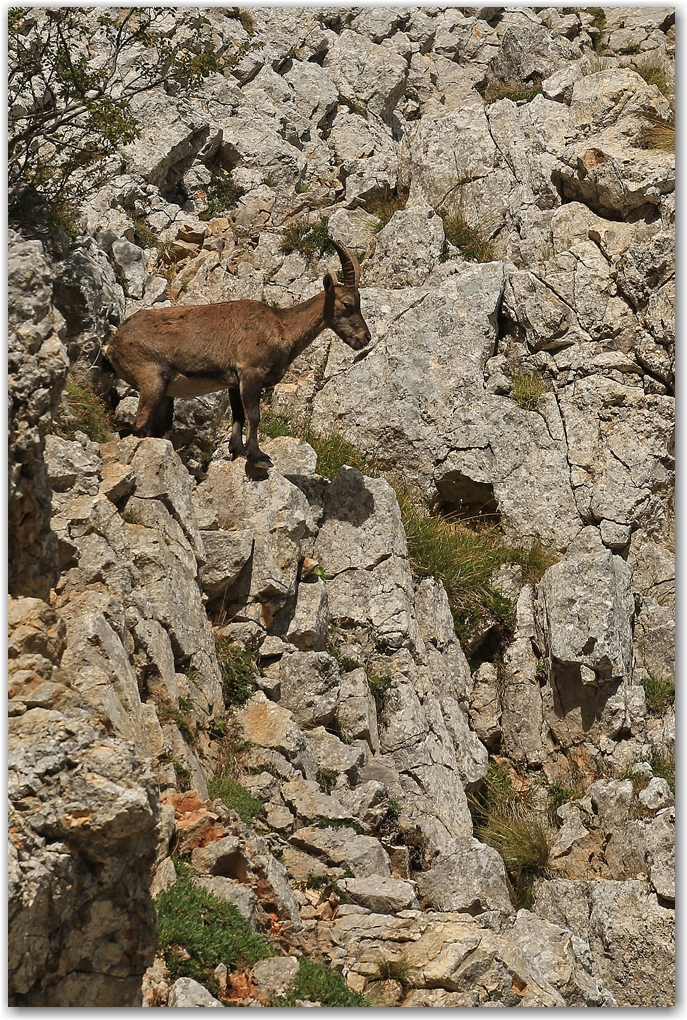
x=72 y=76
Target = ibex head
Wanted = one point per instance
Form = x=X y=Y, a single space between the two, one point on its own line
x=342 y=303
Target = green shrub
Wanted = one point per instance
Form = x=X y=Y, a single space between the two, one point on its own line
x=379 y=684
x=660 y=694
x=534 y=561
x=235 y=797
x=221 y=194
x=310 y=239
x=527 y=389
x=471 y=243
x=347 y=664
x=211 y=931
x=93 y=416
x=238 y=671
x=316 y=982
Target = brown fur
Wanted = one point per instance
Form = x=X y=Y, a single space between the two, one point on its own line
x=242 y=346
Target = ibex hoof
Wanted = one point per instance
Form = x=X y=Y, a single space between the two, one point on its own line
x=261 y=461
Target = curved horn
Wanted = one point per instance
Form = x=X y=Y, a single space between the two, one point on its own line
x=349 y=264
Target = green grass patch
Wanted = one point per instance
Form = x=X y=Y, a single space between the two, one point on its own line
x=221 y=194
x=327 y=779
x=238 y=670
x=461 y=558
x=470 y=241
x=235 y=797
x=339 y=823
x=379 y=684
x=391 y=970
x=334 y=451
x=664 y=767
x=527 y=389
x=385 y=204
x=660 y=695
x=93 y=416
x=194 y=922
x=316 y=982
x=273 y=425
x=310 y=239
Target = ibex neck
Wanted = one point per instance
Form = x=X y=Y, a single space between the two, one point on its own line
x=302 y=323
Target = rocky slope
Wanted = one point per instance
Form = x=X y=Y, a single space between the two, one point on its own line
x=179 y=625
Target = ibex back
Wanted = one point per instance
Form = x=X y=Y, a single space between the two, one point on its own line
x=242 y=346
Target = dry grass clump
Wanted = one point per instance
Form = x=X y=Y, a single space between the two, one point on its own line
x=656 y=136
x=470 y=241
x=655 y=75
x=386 y=204
x=514 y=91
x=527 y=389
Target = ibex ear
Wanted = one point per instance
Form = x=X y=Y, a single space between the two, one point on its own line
x=329 y=282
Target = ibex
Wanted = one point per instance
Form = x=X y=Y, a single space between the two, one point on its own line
x=242 y=346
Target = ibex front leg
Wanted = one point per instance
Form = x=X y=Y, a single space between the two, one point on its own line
x=236 y=447
x=251 y=388
x=151 y=398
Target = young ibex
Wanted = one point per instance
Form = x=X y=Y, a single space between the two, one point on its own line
x=242 y=346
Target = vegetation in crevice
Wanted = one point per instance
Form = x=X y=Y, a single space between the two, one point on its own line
x=663 y=766
x=198 y=931
x=528 y=387
x=221 y=194
x=238 y=670
x=470 y=241
x=660 y=694
x=316 y=982
x=235 y=797
x=385 y=203
x=310 y=239
x=515 y=91
x=91 y=411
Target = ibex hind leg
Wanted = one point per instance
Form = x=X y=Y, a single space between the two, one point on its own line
x=162 y=426
x=236 y=447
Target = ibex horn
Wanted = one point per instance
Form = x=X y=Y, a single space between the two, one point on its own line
x=349 y=264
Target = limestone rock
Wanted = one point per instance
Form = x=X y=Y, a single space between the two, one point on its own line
x=186 y=992
x=467 y=876
x=381 y=895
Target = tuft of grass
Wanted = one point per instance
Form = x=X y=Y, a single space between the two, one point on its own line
x=183 y=776
x=198 y=931
x=657 y=76
x=269 y=179
x=235 y=797
x=505 y=820
x=664 y=768
x=534 y=561
x=514 y=91
x=131 y=517
x=334 y=451
x=462 y=559
x=527 y=389
x=166 y=712
x=385 y=204
x=146 y=237
x=656 y=136
x=221 y=194
x=316 y=982
x=310 y=239
x=391 y=970
x=273 y=425
x=93 y=416
x=473 y=246
x=238 y=671
x=660 y=695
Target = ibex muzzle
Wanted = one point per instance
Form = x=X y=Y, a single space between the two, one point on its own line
x=241 y=346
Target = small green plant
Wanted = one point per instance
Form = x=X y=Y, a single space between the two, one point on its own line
x=327 y=886
x=273 y=425
x=183 y=776
x=245 y=17
x=221 y=194
x=166 y=712
x=131 y=517
x=385 y=204
x=316 y=982
x=353 y=106
x=327 y=779
x=145 y=237
x=535 y=561
x=235 y=797
x=395 y=809
x=269 y=179
x=92 y=414
x=660 y=695
x=599 y=15
x=527 y=390
x=310 y=239
x=340 y=823
x=218 y=728
x=663 y=767
x=627 y=51
x=238 y=670
x=516 y=92
x=303 y=187
x=470 y=242
x=379 y=684
x=198 y=931
x=334 y=451
x=347 y=664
